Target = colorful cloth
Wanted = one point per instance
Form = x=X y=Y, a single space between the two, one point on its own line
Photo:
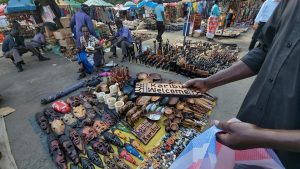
x=158 y=10
x=212 y=26
x=204 y=152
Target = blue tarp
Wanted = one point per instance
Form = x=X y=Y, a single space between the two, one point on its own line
x=20 y=6
x=147 y=3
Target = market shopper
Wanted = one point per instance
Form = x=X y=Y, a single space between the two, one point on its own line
x=272 y=103
x=90 y=53
x=262 y=17
x=80 y=19
x=213 y=21
x=160 y=20
x=122 y=39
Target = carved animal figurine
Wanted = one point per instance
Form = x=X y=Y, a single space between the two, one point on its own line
x=133 y=151
x=77 y=140
x=43 y=122
x=86 y=164
x=69 y=149
x=113 y=139
x=137 y=146
x=124 y=154
x=95 y=158
x=56 y=152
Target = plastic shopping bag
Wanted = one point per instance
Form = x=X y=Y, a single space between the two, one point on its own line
x=204 y=152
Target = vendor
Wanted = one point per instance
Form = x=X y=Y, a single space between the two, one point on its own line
x=270 y=113
x=90 y=53
x=122 y=39
x=80 y=19
x=160 y=20
x=38 y=40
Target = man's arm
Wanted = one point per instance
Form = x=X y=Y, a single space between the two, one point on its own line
x=90 y=26
x=240 y=135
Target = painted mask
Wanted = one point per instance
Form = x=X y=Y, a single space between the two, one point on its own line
x=108 y=119
x=86 y=164
x=77 y=140
x=88 y=133
x=69 y=149
x=113 y=139
x=61 y=107
x=43 y=122
x=120 y=163
x=95 y=158
x=69 y=119
x=79 y=112
x=110 y=163
x=74 y=101
x=58 y=126
x=100 y=147
x=100 y=126
x=50 y=113
x=56 y=152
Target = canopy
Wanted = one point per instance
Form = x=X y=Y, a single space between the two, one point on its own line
x=120 y=7
x=147 y=3
x=129 y=4
x=71 y=3
x=98 y=3
x=20 y=6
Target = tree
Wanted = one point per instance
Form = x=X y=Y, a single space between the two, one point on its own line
x=4 y=1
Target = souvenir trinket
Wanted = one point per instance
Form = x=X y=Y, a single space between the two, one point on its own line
x=155 y=76
x=122 y=127
x=70 y=120
x=124 y=154
x=111 y=102
x=58 y=127
x=56 y=152
x=79 y=112
x=113 y=139
x=73 y=166
x=61 y=107
x=114 y=89
x=86 y=164
x=141 y=76
x=155 y=98
x=137 y=146
x=100 y=146
x=77 y=140
x=108 y=118
x=168 y=90
x=110 y=163
x=126 y=107
x=50 y=113
x=74 y=101
x=173 y=101
x=127 y=89
x=94 y=158
x=129 y=148
x=164 y=101
x=88 y=134
x=143 y=100
x=120 y=134
x=118 y=105
x=146 y=131
x=100 y=126
x=69 y=149
x=120 y=163
x=43 y=122
x=100 y=96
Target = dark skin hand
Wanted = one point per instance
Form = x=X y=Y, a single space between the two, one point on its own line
x=239 y=135
x=236 y=72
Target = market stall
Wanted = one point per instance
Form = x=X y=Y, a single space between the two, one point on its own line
x=68 y=7
x=99 y=11
x=23 y=11
x=109 y=125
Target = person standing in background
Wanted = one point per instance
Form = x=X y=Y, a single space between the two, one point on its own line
x=80 y=19
x=262 y=17
x=213 y=21
x=160 y=19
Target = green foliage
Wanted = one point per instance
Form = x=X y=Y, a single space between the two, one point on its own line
x=4 y=1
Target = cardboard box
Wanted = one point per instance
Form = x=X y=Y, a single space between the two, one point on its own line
x=63 y=33
x=65 y=21
x=68 y=42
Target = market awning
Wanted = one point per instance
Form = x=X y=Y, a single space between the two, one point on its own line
x=20 y=6
x=129 y=4
x=71 y=3
x=120 y=7
x=98 y=3
x=147 y=3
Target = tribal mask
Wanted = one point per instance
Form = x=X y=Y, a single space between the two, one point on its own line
x=43 y=122
x=58 y=126
x=88 y=133
x=77 y=140
x=61 y=107
x=56 y=152
x=100 y=126
x=79 y=112
x=69 y=119
x=69 y=149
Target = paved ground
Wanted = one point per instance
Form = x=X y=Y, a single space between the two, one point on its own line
x=23 y=91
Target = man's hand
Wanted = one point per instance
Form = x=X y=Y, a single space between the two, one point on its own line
x=199 y=83
x=255 y=26
x=238 y=135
